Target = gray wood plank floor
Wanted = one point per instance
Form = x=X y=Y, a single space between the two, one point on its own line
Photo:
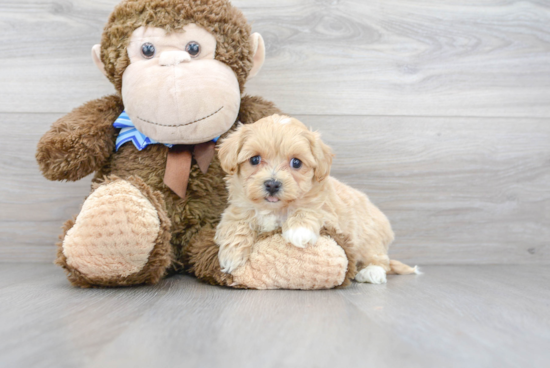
x=451 y=316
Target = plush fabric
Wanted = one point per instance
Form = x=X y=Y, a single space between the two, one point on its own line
x=274 y=264
x=219 y=17
x=80 y=142
x=259 y=54
x=63 y=155
x=179 y=101
x=83 y=142
x=114 y=233
x=89 y=260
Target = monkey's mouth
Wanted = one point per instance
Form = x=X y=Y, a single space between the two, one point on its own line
x=180 y=125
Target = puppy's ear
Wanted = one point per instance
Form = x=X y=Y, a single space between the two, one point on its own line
x=323 y=156
x=230 y=148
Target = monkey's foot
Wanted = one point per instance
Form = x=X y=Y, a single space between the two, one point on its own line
x=121 y=237
x=276 y=264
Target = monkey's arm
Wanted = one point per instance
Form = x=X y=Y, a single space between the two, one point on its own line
x=253 y=108
x=80 y=142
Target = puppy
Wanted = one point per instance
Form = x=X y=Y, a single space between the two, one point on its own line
x=278 y=177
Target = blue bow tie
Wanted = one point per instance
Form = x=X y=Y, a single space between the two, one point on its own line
x=128 y=132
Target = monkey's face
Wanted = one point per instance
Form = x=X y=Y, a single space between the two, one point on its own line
x=174 y=90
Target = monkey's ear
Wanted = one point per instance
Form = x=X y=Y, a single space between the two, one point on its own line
x=258 y=48
x=230 y=148
x=96 y=57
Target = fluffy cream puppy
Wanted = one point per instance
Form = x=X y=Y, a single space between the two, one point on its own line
x=278 y=177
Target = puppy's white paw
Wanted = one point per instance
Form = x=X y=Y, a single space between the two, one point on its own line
x=231 y=259
x=300 y=237
x=373 y=274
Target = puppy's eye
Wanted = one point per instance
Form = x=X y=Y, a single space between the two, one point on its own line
x=255 y=160
x=148 y=50
x=193 y=48
x=295 y=163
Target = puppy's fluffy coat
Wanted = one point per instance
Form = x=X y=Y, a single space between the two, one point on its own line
x=279 y=178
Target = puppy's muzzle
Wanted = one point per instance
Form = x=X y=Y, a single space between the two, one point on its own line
x=272 y=186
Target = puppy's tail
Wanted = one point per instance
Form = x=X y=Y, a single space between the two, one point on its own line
x=398 y=268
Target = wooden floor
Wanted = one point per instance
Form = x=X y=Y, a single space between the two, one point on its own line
x=451 y=316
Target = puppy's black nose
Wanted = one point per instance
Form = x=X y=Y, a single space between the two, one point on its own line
x=272 y=186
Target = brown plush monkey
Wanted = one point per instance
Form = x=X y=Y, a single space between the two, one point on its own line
x=179 y=68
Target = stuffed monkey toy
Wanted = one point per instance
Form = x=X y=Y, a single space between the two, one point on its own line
x=179 y=68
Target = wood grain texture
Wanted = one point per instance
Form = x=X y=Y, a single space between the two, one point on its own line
x=451 y=316
x=353 y=57
x=438 y=110
x=457 y=190
x=32 y=208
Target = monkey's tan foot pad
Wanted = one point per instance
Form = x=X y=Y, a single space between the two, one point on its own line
x=121 y=237
x=276 y=264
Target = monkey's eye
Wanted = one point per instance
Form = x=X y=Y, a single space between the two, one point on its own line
x=148 y=50
x=295 y=163
x=193 y=48
x=255 y=160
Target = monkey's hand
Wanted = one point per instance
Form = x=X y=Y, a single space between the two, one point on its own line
x=80 y=142
x=302 y=228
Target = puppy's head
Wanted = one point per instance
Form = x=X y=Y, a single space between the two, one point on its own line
x=275 y=161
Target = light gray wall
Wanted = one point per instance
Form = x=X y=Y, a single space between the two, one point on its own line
x=438 y=110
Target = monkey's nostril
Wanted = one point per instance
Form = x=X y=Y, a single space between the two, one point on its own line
x=272 y=186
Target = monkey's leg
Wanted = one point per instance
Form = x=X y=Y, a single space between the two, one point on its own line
x=121 y=237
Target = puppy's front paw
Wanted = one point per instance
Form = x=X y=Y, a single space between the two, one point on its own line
x=231 y=259
x=373 y=274
x=300 y=237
